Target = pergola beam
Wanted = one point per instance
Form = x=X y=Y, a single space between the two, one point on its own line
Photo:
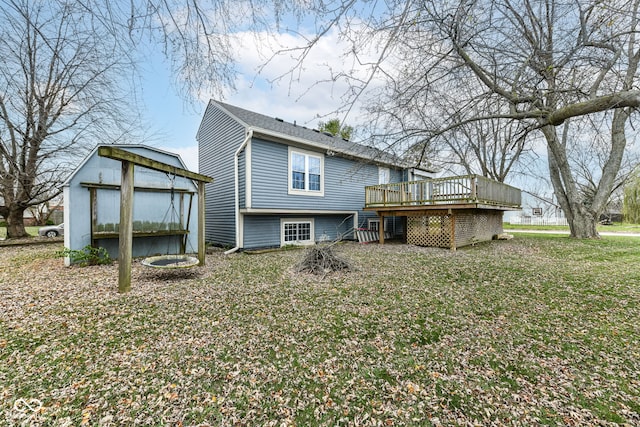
x=125 y=244
x=123 y=155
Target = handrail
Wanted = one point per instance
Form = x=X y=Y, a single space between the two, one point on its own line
x=439 y=191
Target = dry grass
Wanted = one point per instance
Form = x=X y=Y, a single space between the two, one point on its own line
x=532 y=331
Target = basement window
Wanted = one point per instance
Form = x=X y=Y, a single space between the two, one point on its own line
x=297 y=232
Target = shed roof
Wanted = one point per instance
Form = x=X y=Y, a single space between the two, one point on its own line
x=276 y=127
x=125 y=147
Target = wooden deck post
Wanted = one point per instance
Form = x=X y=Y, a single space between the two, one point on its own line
x=381 y=229
x=93 y=212
x=474 y=188
x=125 y=244
x=453 y=230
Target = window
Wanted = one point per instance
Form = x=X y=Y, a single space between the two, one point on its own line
x=305 y=173
x=373 y=224
x=384 y=175
x=297 y=231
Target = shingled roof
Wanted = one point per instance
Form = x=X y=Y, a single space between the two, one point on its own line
x=273 y=126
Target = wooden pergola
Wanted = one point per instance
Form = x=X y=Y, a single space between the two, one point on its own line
x=125 y=244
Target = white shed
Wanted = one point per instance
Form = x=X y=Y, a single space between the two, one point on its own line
x=165 y=207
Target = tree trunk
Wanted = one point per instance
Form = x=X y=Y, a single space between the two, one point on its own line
x=15 y=224
x=583 y=224
x=582 y=218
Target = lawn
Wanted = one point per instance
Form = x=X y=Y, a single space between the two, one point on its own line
x=538 y=330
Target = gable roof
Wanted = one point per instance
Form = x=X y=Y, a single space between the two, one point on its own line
x=67 y=182
x=280 y=129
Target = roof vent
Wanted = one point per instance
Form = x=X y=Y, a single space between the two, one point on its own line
x=279 y=120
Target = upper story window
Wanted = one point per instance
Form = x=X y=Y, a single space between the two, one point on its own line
x=384 y=175
x=306 y=173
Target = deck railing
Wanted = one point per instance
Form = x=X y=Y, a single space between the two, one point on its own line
x=443 y=191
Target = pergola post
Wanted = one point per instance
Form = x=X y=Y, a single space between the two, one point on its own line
x=125 y=246
x=125 y=240
x=201 y=243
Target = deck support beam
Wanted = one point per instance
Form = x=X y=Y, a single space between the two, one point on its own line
x=381 y=228
x=453 y=230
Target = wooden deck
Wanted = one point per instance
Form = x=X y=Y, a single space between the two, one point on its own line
x=458 y=192
x=444 y=212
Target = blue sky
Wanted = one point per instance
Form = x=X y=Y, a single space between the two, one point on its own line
x=172 y=122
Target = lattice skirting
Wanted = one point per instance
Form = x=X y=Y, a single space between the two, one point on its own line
x=429 y=230
x=477 y=226
x=439 y=229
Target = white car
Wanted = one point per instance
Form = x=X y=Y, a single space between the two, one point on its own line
x=51 y=230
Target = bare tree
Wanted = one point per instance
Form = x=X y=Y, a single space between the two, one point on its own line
x=551 y=63
x=61 y=90
x=491 y=148
x=68 y=74
x=545 y=63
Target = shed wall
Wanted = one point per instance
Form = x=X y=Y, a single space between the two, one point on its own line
x=147 y=206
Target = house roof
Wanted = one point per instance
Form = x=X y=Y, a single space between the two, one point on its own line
x=276 y=127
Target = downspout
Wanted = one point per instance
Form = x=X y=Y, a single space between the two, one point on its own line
x=236 y=179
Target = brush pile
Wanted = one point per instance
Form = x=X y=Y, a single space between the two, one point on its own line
x=322 y=259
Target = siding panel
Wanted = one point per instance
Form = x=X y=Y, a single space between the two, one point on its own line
x=219 y=137
x=344 y=181
x=333 y=226
x=261 y=231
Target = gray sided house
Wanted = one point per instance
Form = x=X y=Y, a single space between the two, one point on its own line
x=278 y=183
x=164 y=206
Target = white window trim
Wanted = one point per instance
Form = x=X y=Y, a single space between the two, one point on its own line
x=373 y=221
x=298 y=192
x=284 y=221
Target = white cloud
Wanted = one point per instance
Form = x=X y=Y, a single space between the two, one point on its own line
x=188 y=154
x=306 y=94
